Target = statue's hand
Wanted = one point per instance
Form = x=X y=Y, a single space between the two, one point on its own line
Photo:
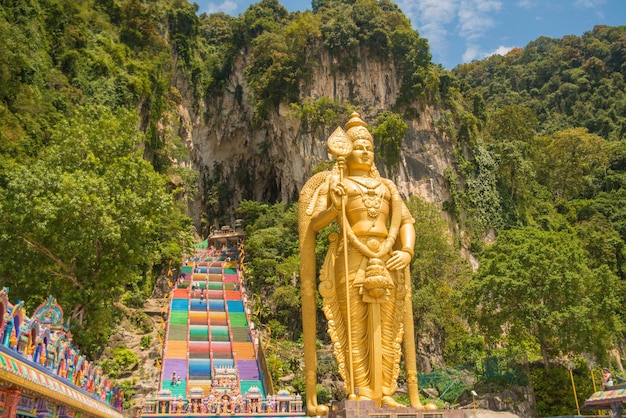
x=341 y=163
x=337 y=191
x=398 y=260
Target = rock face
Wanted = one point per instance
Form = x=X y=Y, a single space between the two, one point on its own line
x=270 y=160
x=144 y=377
x=509 y=402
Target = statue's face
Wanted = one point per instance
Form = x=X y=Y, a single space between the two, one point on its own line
x=362 y=155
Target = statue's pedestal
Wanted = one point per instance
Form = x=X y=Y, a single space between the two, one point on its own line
x=367 y=409
x=352 y=409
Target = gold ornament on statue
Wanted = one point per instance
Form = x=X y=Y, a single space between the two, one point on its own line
x=376 y=284
x=338 y=143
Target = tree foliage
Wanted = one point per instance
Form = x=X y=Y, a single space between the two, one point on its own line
x=388 y=134
x=570 y=161
x=89 y=219
x=272 y=272
x=550 y=118
x=569 y=82
x=534 y=287
x=438 y=275
x=510 y=132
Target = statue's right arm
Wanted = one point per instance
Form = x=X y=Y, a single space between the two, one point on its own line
x=324 y=212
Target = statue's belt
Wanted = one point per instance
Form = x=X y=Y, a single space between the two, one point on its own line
x=372 y=242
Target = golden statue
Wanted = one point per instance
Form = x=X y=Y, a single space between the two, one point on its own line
x=364 y=281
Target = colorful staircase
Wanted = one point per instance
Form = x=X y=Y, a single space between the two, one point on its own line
x=199 y=344
x=245 y=355
x=175 y=353
x=209 y=330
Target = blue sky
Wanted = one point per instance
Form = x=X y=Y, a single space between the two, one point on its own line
x=460 y=31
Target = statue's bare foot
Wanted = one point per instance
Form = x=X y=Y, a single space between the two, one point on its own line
x=317 y=410
x=389 y=402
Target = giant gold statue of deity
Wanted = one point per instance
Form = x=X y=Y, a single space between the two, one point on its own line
x=364 y=280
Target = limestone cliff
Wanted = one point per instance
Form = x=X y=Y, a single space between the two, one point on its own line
x=270 y=160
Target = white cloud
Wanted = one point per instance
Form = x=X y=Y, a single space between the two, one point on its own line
x=501 y=50
x=475 y=17
x=589 y=4
x=431 y=19
x=472 y=52
x=442 y=20
x=208 y=7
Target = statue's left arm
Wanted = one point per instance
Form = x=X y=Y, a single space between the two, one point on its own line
x=407 y=231
x=405 y=242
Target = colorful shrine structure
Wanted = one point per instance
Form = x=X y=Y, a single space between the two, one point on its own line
x=42 y=374
x=213 y=361
x=612 y=398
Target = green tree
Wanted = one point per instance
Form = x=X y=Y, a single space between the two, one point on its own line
x=303 y=38
x=572 y=158
x=272 y=262
x=183 y=27
x=511 y=131
x=266 y=15
x=271 y=76
x=389 y=133
x=339 y=32
x=438 y=274
x=570 y=82
x=534 y=288
x=86 y=220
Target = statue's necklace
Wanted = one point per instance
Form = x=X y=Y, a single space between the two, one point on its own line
x=372 y=195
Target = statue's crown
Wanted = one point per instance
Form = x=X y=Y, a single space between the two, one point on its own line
x=355 y=120
x=356 y=128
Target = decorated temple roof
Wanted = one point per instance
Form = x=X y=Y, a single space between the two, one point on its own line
x=37 y=356
x=604 y=398
x=28 y=376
